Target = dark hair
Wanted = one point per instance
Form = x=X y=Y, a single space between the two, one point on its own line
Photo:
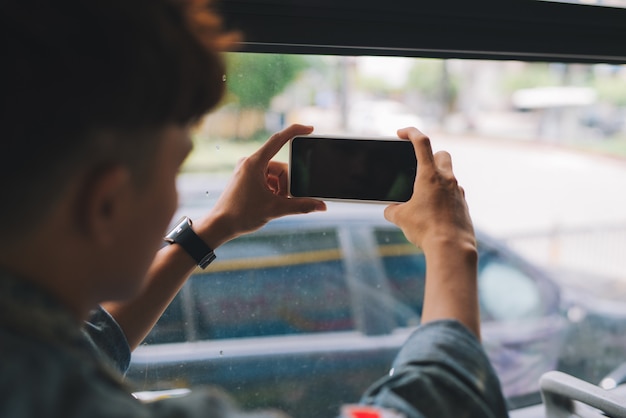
x=75 y=71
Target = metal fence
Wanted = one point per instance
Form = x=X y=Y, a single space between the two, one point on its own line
x=592 y=255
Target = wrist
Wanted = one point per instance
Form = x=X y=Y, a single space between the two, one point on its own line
x=215 y=229
x=451 y=290
x=183 y=235
x=458 y=242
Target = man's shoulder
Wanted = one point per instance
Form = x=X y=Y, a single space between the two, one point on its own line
x=36 y=367
x=28 y=354
x=39 y=377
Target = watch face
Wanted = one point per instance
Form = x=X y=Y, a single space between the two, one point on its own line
x=181 y=225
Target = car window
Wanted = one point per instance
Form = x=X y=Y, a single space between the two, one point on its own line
x=506 y=292
x=524 y=138
x=269 y=284
x=171 y=327
x=405 y=269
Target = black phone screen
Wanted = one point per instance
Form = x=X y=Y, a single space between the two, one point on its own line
x=378 y=170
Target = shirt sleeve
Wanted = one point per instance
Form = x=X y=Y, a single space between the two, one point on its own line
x=441 y=371
x=108 y=339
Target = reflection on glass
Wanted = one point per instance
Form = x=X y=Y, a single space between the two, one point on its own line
x=602 y=3
x=508 y=294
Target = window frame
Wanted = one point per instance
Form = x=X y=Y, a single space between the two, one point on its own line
x=529 y=30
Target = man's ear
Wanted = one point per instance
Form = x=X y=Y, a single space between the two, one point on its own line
x=105 y=203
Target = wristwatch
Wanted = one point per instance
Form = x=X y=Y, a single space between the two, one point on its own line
x=183 y=235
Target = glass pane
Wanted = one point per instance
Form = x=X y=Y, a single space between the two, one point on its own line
x=171 y=326
x=405 y=268
x=506 y=293
x=286 y=284
x=539 y=148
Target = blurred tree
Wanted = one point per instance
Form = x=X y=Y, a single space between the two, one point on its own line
x=253 y=80
x=432 y=80
x=535 y=74
x=611 y=90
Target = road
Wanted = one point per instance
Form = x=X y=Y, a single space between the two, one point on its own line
x=576 y=200
x=514 y=187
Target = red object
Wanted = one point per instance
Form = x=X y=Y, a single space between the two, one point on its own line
x=362 y=412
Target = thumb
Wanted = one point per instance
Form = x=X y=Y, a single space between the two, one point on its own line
x=303 y=205
x=390 y=212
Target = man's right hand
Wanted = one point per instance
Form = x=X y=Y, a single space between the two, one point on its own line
x=437 y=209
x=436 y=219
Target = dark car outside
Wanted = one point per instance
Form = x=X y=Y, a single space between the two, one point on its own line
x=304 y=314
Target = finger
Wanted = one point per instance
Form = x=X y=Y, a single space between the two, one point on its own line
x=390 y=212
x=443 y=160
x=278 y=185
x=279 y=172
x=283 y=183
x=276 y=141
x=277 y=168
x=421 y=144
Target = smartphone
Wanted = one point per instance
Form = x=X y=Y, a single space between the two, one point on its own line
x=352 y=169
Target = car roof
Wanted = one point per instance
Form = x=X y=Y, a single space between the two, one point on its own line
x=197 y=198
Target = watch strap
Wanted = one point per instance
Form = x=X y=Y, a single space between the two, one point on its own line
x=183 y=235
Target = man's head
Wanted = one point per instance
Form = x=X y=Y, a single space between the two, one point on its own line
x=91 y=92
x=89 y=82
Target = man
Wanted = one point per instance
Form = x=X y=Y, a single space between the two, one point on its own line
x=98 y=103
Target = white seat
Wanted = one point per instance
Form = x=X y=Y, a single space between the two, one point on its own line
x=566 y=396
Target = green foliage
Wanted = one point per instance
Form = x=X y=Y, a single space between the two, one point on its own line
x=253 y=80
x=611 y=90
x=433 y=81
x=426 y=77
x=530 y=75
x=375 y=85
